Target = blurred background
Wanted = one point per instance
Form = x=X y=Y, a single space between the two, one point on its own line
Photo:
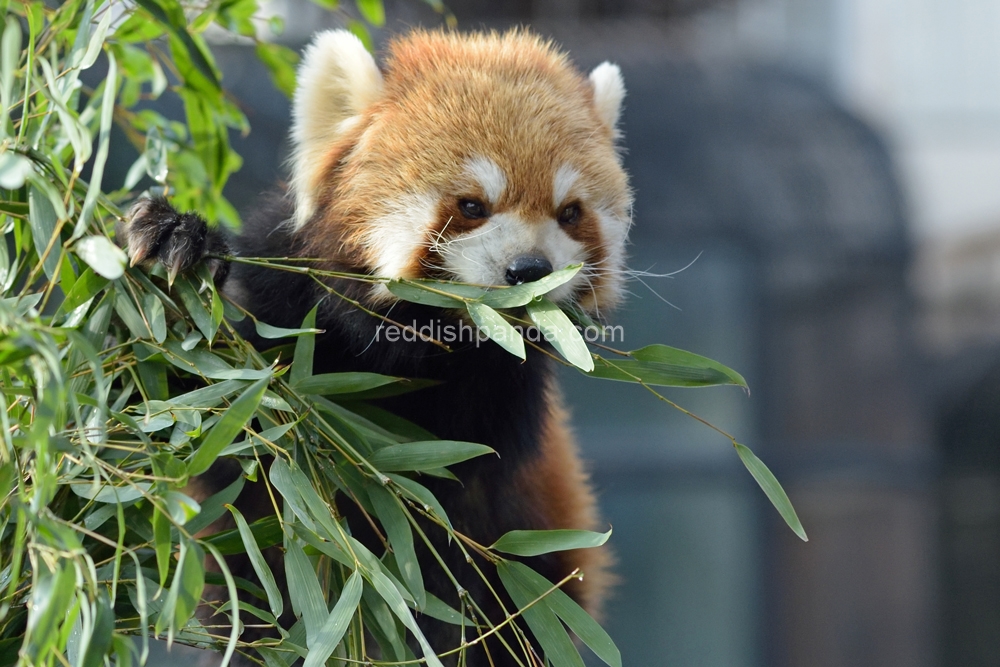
x=833 y=166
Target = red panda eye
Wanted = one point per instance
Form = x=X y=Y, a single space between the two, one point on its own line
x=472 y=209
x=570 y=215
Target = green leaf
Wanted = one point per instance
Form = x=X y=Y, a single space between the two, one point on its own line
x=226 y=429
x=667 y=367
x=372 y=11
x=42 y=217
x=260 y=567
x=267 y=331
x=207 y=364
x=388 y=591
x=161 y=540
x=302 y=362
x=214 y=506
x=84 y=289
x=544 y=624
x=234 y=604
x=129 y=313
x=155 y=153
x=185 y=289
x=578 y=620
x=304 y=591
x=101 y=631
x=425 y=455
x=423 y=495
x=769 y=483
x=434 y=293
x=393 y=518
x=107 y=112
x=538 y=542
x=96 y=42
x=10 y=54
x=357 y=28
x=521 y=295
x=342 y=383
x=14 y=169
x=170 y=14
x=103 y=256
x=155 y=315
x=185 y=590
x=436 y=608
x=561 y=333
x=210 y=396
x=496 y=328
x=280 y=62
x=336 y=623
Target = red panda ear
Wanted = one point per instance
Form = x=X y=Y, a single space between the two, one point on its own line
x=337 y=81
x=609 y=91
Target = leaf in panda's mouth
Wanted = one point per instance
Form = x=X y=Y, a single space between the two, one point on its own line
x=520 y=295
x=445 y=294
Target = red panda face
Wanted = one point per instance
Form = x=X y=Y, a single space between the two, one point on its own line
x=486 y=159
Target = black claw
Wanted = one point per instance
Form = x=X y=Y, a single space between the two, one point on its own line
x=154 y=229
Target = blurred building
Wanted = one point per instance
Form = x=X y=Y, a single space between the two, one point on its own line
x=831 y=167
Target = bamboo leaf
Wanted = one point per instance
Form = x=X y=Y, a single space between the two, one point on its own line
x=162 y=544
x=496 y=328
x=304 y=591
x=667 y=367
x=234 y=605
x=388 y=591
x=96 y=42
x=372 y=11
x=104 y=138
x=425 y=455
x=538 y=542
x=265 y=330
x=42 y=217
x=393 y=518
x=10 y=54
x=302 y=362
x=561 y=333
x=544 y=624
x=521 y=295
x=14 y=170
x=772 y=489
x=227 y=428
x=423 y=495
x=86 y=287
x=434 y=293
x=155 y=315
x=326 y=384
x=336 y=623
x=103 y=256
x=579 y=621
x=260 y=567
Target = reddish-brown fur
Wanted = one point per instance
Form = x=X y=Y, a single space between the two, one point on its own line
x=448 y=97
x=517 y=100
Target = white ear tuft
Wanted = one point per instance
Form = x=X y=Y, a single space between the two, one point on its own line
x=337 y=80
x=609 y=91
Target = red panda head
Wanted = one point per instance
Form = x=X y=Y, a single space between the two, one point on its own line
x=484 y=158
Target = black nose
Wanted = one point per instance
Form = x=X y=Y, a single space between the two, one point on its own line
x=527 y=269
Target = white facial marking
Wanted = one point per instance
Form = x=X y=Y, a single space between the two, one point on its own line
x=482 y=255
x=563 y=182
x=489 y=175
x=397 y=236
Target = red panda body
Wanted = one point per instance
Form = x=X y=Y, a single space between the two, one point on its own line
x=482 y=158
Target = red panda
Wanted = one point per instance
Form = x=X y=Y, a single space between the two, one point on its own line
x=483 y=158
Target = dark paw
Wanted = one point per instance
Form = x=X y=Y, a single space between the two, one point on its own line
x=154 y=231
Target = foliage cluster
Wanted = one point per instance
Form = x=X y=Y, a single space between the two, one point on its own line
x=117 y=387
